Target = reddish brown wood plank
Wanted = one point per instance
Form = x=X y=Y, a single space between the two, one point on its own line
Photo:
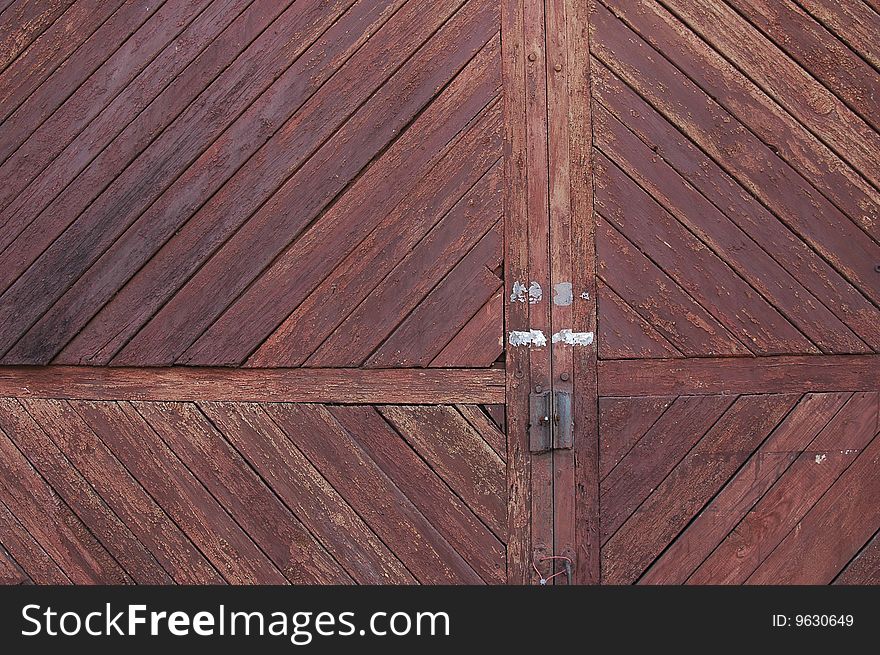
x=480 y=342
x=312 y=187
x=864 y=569
x=782 y=374
x=23 y=22
x=622 y=423
x=836 y=527
x=516 y=315
x=254 y=507
x=73 y=488
x=348 y=386
x=41 y=568
x=445 y=310
x=150 y=524
x=651 y=459
x=738 y=204
x=418 y=482
x=374 y=496
x=52 y=523
x=781 y=509
x=757 y=475
x=853 y=22
x=688 y=261
x=624 y=334
x=486 y=428
x=179 y=493
x=693 y=482
x=307 y=493
x=10 y=572
x=658 y=299
x=459 y=455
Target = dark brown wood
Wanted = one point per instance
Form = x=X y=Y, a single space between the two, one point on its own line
x=41 y=568
x=622 y=423
x=481 y=341
x=864 y=568
x=782 y=374
x=23 y=22
x=347 y=386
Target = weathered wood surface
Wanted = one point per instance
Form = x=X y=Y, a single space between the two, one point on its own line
x=347 y=386
x=213 y=492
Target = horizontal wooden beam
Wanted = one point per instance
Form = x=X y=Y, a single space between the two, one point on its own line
x=299 y=385
x=739 y=375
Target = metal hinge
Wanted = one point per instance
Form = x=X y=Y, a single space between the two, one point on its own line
x=551 y=425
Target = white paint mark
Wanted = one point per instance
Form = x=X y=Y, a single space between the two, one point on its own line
x=849 y=451
x=585 y=295
x=527 y=338
x=573 y=338
x=562 y=294
x=820 y=459
x=521 y=293
x=535 y=293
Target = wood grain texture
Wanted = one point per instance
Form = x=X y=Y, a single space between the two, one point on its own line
x=348 y=386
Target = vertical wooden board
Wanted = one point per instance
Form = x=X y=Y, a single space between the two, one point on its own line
x=693 y=482
x=622 y=423
x=73 y=488
x=837 y=526
x=52 y=523
x=458 y=454
x=179 y=492
x=37 y=563
x=662 y=448
x=307 y=493
x=793 y=494
x=254 y=507
x=126 y=497
x=373 y=495
x=418 y=482
x=750 y=483
x=516 y=315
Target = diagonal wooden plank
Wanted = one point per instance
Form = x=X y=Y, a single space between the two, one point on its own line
x=491 y=434
x=459 y=455
x=624 y=334
x=432 y=193
x=179 y=492
x=392 y=299
x=726 y=240
x=726 y=193
x=776 y=183
x=123 y=494
x=693 y=482
x=373 y=495
x=404 y=100
x=72 y=487
x=65 y=177
x=694 y=266
x=253 y=506
x=423 y=334
x=41 y=568
x=622 y=423
x=10 y=572
x=254 y=91
x=480 y=342
x=757 y=475
x=864 y=569
x=651 y=459
x=23 y=22
x=658 y=299
x=818 y=52
x=50 y=50
x=418 y=482
x=852 y=21
x=52 y=523
x=835 y=528
x=792 y=496
x=307 y=493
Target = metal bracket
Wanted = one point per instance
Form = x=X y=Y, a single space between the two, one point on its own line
x=551 y=424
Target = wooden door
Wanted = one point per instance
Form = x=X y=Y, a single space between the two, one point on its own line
x=252 y=279
x=715 y=187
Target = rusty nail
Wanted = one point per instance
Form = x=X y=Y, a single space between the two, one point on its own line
x=564 y=377
x=538 y=388
x=532 y=56
x=558 y=68
x=518 y=375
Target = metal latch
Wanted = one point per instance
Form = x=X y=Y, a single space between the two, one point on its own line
x=551 y=424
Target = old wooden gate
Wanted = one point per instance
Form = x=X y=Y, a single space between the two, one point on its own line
x=459 y=291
